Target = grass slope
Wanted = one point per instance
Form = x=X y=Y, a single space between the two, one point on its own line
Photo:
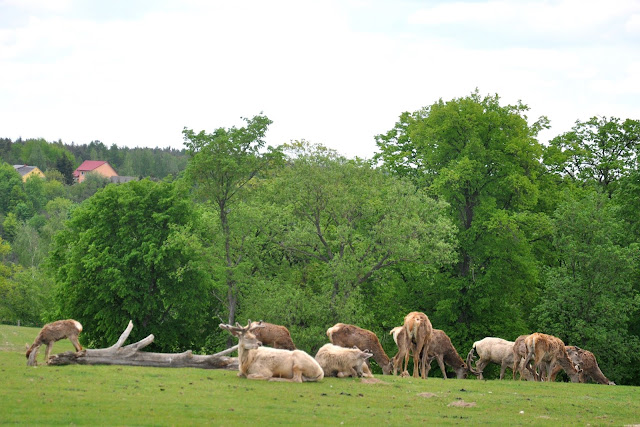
x=110 y=395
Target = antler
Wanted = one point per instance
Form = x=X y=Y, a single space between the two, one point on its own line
x=470 y=358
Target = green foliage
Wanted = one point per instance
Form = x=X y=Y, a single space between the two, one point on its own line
x=10 y=226
x=596 y=152
x=588 y=299
x=26 y=297
x=88 y=187
x=11 y=190
x=223 y=164
x=130 y=252
x=335 y=225
x=482 y=158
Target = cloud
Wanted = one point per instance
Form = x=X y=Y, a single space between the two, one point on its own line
x=314 y=68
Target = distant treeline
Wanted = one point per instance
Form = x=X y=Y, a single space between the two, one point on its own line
x=140 y=162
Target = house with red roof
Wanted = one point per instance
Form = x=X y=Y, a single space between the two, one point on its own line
x=93 y=166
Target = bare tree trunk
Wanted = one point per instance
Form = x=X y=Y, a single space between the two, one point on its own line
x=131 y=356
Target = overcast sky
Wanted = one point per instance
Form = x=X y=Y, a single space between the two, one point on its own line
x=136 y=72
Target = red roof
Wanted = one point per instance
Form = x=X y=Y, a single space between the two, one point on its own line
x=88 y=165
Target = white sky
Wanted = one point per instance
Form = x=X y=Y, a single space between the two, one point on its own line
x=136 y=72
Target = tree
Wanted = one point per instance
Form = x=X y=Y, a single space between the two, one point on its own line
x=589 y=299
x=339 y=224
x=600 y=150
x=11 y=188
x=483 y=159
x=223 y=163
x=65 y=166
x=131 y=252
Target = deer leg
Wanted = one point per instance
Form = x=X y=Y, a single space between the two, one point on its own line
x=75 y=342
x=516 y=368
x=366 y=372
x=47 y=351
x=480 y=367
x=503 y=368
x=426 y=363
x=260 y=377
x=418 y=361
x=440 y=360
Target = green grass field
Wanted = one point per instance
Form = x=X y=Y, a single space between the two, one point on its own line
x=113 y=395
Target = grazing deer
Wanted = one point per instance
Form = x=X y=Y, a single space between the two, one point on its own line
x=418 y=337
x=548 y=350
x=519 y=354
x=491 y=350
x=275 y=336
x=349 y=336
x=52 y=332
x=586 y=364
x=343 y=362
x=266 y=363
x=440 y=349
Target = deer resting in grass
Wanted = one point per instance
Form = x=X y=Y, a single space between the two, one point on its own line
x=547 y=351
x=52 y=332
x=587 y=364
x=266 y=363
x=346 y=335
x=343 y=362
x=275 y=336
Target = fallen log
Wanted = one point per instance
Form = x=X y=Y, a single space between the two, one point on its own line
x=131 y=355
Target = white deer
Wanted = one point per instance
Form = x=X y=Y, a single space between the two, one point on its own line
x=266 y=363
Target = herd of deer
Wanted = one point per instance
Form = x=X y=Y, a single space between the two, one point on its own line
x=266 y=351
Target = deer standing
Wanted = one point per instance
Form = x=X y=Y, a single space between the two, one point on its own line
x=52 y=332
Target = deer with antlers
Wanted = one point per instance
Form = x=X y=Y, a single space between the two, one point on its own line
x=266 y=363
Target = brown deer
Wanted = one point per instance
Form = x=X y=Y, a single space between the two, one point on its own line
x=266 y=363
x=548 y=350
x=418 y=337
x=440 y=349
x=346 y=335
x=519 y=354
x=587 y=366
x=52 y=332
x=275 y=336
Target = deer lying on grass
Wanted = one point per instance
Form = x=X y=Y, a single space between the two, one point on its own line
x=349 y=336
x=547 y=351
x=275 y=336
x=418 y=337
x=343 y=362
x=491 y=350
x=266 y=363
x=587 y=366
x=52 y=332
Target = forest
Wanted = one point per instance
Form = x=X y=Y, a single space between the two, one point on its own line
x=462 y=214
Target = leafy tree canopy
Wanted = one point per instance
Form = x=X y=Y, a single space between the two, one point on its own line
x=130 y=252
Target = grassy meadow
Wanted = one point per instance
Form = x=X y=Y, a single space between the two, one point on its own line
x=114 y=395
